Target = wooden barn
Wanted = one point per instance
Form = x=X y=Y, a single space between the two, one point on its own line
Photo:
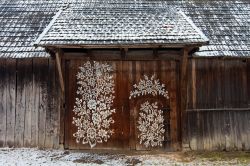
x=124 y=74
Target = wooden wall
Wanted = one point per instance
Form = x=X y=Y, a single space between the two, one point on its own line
x=218 y=114
x=29 y=106
x=218 y=107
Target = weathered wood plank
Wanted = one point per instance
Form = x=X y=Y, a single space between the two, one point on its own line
x=50 y=130
x=62 y=105
x=125 y=86
x=58 y=98
x=183 y=92
x=174 y=126
x=3 y=93
x=11 y=101
x=248 y=81
x=132 y=77
x=29 y=98
x=36 y=98
x=194 y=91
x=42 y=77
x=22 y=66
x=67 y=104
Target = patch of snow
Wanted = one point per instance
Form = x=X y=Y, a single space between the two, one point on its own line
x=34 y=157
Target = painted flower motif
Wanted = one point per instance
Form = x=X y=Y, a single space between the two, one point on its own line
x=91 y=133
x=149 y=86
x=102 y=133
x=150 y=125
x=92 y=82
x=96 y=118
x=103 y=106
x=93 y=104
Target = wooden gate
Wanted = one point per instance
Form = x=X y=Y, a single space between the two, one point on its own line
x=141 y=90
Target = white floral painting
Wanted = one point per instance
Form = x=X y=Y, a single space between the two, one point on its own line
x=150 y=120
x=150 y=125
x=93 y=106
x=149 y=86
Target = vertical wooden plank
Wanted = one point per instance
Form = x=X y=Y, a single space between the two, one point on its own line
x=193 y=83
x=248 y=81
x=22 y=65
x=71 y=70
x=228 y=103
x=247 y=137
x=220 y=118
x=244 y=84
x=58 y=97
x=3 y=112
x=173 y=106
x=36 y=97
x=29 y=98
x=50 y=127
x=193 y=130
x=58 y=94
x=11 y=101
x=183 y=92
x=125 y=85
x=67 y=96
x=42 y=77
x=62 y=105
x=200 y=103
x=133 y=67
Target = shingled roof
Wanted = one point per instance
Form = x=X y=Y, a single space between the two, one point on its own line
x=225 y=22
x=21 y=22
x=112 y=23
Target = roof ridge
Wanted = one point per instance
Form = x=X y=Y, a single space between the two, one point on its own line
x=194 y=26
x=50 y=25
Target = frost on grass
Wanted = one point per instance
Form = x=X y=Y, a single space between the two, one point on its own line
x=34 y=157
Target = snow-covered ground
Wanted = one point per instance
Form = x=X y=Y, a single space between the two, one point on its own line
x=35 y=157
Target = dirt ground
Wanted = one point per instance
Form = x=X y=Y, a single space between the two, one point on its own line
x=34 y=157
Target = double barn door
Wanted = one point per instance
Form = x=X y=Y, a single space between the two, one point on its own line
x=121 y=104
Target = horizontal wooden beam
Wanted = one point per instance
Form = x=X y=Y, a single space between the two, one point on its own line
x=218 y=109
x=56 y=46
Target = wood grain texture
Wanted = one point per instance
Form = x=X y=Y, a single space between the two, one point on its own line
x=36 y=98
x=3 y=109
x=126 y=74
x=218 y=98
x=29 y=104
x=220 y=120
x=42 y=77
x=22 y=68
x=11 y=101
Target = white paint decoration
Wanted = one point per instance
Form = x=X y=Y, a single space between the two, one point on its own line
x=93 y=108
x=150 y=121
x=149 y=86
x=150 y=125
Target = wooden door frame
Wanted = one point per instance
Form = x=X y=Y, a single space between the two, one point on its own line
x=181 y=94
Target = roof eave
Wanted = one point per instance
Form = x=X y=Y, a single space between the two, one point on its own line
x=169 y=45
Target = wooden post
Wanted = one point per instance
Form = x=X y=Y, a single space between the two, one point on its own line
x=183 y=92
x=59 y=69
x=62 y=99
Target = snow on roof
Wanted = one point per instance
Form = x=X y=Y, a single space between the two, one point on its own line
x=21 y=22
x=129 y=23
x=225 y=22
